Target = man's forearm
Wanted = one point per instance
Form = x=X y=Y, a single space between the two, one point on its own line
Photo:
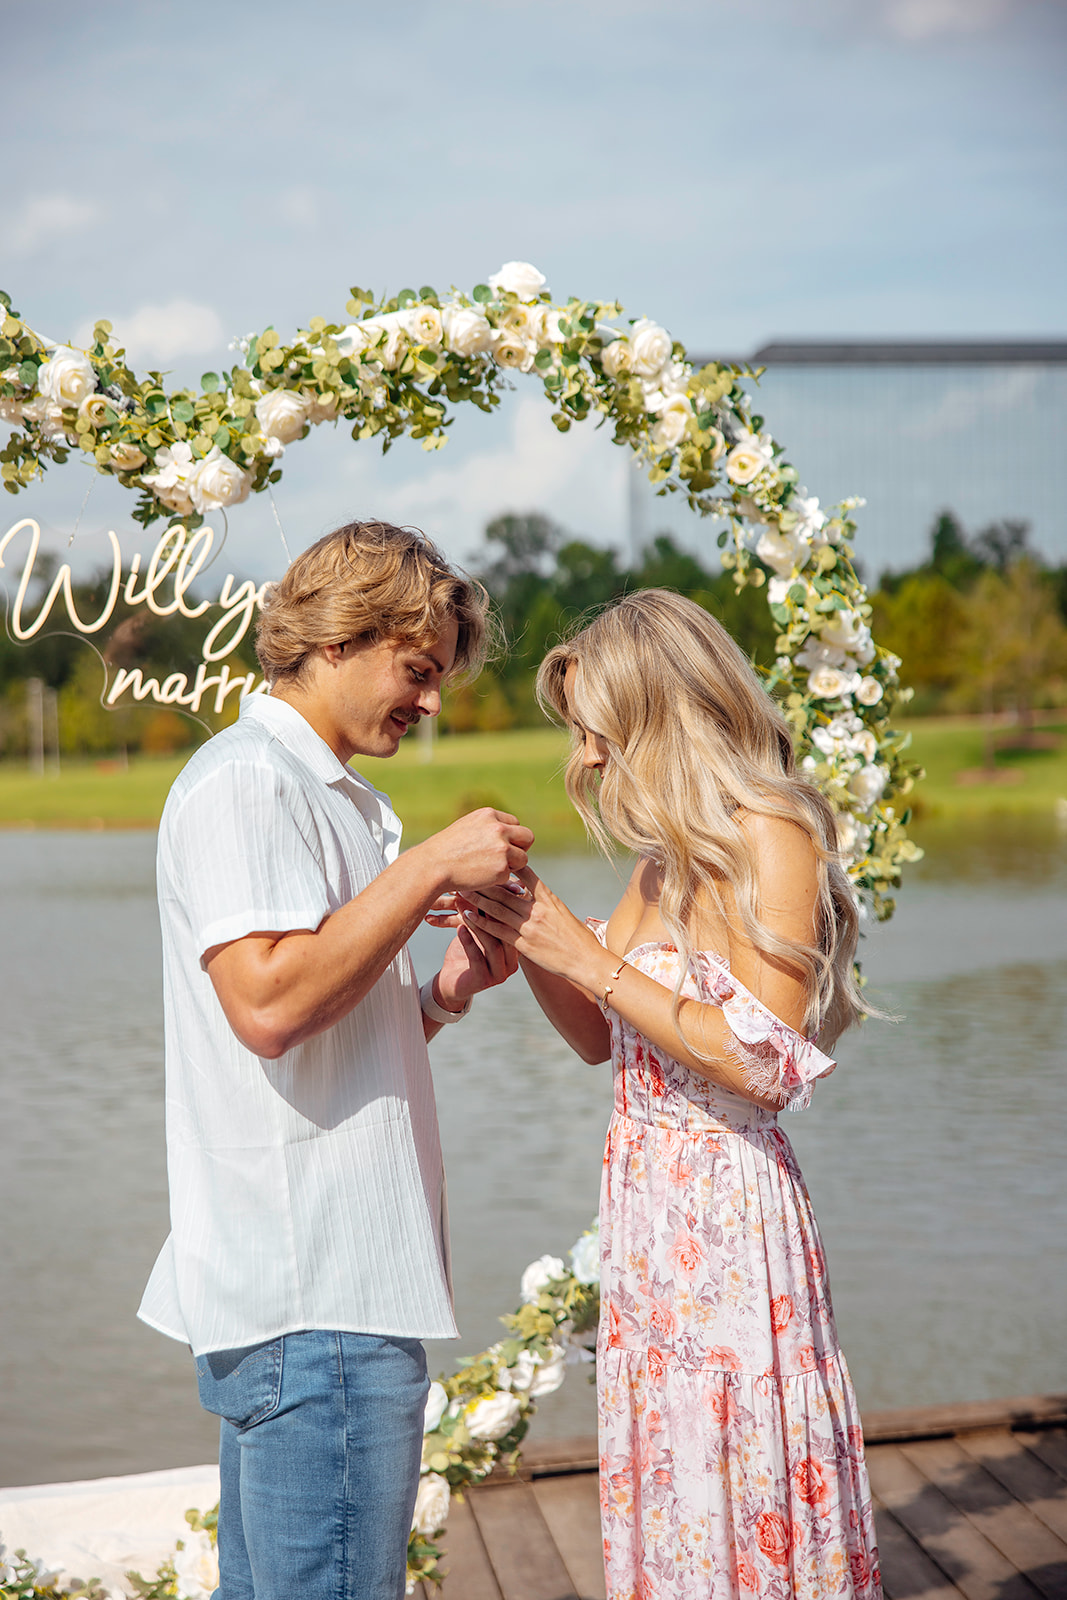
x=279 y=990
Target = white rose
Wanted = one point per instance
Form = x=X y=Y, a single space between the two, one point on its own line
x=467 y=331
x=824 y=741
x=522 y=320
x=492 y=1417
x=518 y=278
x=197 y=1567
x=585 y=1257
x=748 y=458
x=217 y=481
x=617 y=358
x=830 y=683
x=535 y=1376
x=538 y=1275
x=869 y=692
x=785 y=552
x=650 y=347
x=431 y=1505
x=509 y=350
x=126 y=457
x=10 y=411
x=673 y=380
x=778 y=591
x=423 y=324
x=436 y=1404
x=670 y=429
x=845 y=629
x=282 y=414
x=867 y=784
x=66 y=377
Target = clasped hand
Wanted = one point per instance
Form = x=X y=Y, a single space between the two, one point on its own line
x=526 y=917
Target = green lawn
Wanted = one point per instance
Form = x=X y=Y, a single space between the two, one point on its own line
x=519 y=772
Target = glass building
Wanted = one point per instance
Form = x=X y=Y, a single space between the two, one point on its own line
x=916 y=428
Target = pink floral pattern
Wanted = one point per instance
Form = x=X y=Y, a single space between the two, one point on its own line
x=731 y=1456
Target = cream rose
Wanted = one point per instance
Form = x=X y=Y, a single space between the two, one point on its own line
x=94 y=408
x=815 y=654
x=492 y=1417
x=423 y=324
x=864 y=744
x=617 y=358
x=217 y=481
x=650 y=346
x=468 y=332
x=869 y=692
x=431 y=1505
x=66 y=377
x=670 y=429
x=282 y=414
x=126 y=457
x=785 y=552
x=867 y=784
x=538 y=1275
x=545 y=326
x=388 y=338
x=518 y=278
x=749 y=456
x=830 y=683
x=509 y=350
x=10 y=411
x=197 y=1567
x=522 y=320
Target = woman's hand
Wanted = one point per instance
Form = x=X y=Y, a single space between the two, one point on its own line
x=537 y=924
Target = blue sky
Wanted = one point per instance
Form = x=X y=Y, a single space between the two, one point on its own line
x=736 y=169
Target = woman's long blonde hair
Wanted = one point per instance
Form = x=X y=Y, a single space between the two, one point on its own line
x=694 y=741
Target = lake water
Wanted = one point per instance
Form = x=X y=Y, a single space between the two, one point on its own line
x=934 y=1155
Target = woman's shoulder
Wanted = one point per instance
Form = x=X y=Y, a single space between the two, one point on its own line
x=778 y=838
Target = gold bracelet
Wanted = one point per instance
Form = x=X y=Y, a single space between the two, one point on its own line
x=614 y=976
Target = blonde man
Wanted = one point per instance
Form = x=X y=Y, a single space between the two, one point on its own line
x=308 y=1254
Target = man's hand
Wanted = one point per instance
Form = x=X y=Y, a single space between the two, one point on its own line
x=482 y=848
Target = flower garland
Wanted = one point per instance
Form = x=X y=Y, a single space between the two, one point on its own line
x=399 y=367
x=475 y=1420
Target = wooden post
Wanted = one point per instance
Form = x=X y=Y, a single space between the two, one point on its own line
x=50 y=717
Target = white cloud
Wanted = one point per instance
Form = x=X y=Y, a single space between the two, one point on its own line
x=47 y=217
x=926 y=19
x=163 y=333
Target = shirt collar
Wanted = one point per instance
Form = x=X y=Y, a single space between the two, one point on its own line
x=294 y=731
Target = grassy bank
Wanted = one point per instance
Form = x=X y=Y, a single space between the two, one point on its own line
x=520 y=772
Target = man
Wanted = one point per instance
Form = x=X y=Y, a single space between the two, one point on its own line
x=308 y=1252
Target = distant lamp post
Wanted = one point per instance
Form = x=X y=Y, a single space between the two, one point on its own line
x=35 y=725
x=50 y=728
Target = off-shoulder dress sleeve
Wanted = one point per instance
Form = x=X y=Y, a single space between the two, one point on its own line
x=775 y=1058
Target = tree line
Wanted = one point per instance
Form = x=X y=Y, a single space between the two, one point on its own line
x=980 y=624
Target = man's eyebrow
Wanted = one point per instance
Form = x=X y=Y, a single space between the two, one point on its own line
x=442 y=669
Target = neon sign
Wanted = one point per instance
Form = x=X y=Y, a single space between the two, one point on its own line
x=177 y=556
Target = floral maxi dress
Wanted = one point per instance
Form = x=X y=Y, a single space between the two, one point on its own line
x=731 y=1456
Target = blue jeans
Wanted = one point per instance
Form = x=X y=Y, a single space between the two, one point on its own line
x=319 y=1452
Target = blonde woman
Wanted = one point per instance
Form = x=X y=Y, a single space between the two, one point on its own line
x=731 y=1452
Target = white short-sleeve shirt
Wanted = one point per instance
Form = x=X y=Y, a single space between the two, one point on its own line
x=306 y=1192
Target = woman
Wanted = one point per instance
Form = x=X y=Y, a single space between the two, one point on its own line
x=731 y=1451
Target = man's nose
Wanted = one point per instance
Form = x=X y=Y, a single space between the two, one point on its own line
x=429 y=701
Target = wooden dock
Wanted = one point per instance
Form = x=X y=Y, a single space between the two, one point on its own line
x=970 y=1501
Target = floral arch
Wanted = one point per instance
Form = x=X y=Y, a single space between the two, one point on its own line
x=399 y=367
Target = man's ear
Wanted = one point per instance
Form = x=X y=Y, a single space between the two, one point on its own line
x=333 y=653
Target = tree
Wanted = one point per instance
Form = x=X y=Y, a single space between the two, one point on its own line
x=1014 y=640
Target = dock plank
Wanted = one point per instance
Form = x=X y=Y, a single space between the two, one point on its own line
x=524 y=1558
x=976 y=1567
x=1023 y=1473
x=468 y=1570
x=989 y=1506
x=1049 y=1447
x=908 y=1573
x=571 y=1508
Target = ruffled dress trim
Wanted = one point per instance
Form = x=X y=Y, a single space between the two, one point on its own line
x=775 y=1058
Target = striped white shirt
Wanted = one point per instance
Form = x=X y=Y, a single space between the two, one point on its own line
x=306 y=1192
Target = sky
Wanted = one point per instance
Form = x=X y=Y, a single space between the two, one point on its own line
x=739 y=170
